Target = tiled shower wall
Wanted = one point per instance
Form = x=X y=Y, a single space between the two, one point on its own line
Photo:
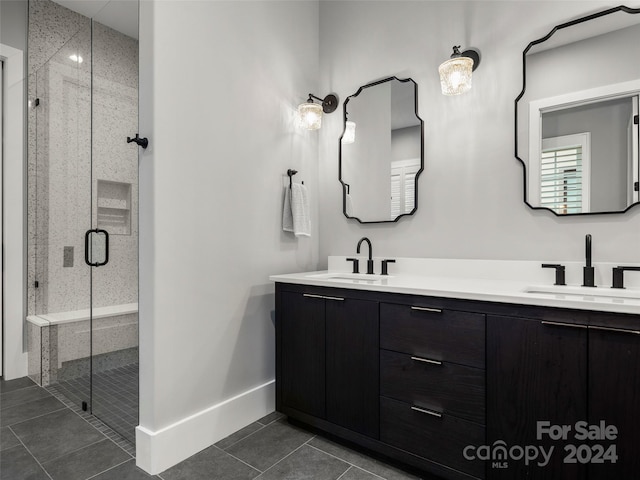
x=115 y=117
x=65 y=139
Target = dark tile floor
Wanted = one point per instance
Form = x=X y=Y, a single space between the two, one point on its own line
x=41 y=438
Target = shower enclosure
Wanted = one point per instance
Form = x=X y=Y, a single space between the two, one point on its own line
x=82 y=324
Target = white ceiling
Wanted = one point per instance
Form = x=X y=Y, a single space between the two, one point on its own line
x=121 y=15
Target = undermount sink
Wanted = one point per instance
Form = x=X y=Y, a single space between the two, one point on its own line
x=603 y=291
x=351 y=277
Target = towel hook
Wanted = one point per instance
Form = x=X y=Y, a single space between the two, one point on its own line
x=143 y=142
x=291 y=173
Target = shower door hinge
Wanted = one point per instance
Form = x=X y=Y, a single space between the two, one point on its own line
x=37 y=102
x=85 y=407
x=636 y=187
x=36 y=284
x=636 y=119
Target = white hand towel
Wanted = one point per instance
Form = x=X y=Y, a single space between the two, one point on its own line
x=300 y=211
x=287 y=216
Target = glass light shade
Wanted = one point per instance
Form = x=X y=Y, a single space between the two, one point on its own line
x=349 y=133
x=455 y=75
x=310 y=115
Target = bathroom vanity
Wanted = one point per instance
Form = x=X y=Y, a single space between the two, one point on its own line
x=424 y=370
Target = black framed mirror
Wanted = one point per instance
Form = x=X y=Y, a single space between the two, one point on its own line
x=576 y=118
x=381 y=151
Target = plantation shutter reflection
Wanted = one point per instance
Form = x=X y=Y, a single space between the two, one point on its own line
x=395 y=195
x=561 y=175
x=403 y=188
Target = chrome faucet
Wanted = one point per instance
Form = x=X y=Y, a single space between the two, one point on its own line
x=588 y=272
x=370 y=260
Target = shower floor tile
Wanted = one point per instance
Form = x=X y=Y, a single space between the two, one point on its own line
x=115 y=397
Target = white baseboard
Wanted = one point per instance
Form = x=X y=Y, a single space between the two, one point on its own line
x=159 y=450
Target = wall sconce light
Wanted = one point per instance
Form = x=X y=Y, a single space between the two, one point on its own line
x=310 y=113
x=349 y=132
x=455 y=73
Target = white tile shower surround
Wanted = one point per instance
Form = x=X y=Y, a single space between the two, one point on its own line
x=64 y=338
x=485 y=280
x=50 y=27
x=59 y=190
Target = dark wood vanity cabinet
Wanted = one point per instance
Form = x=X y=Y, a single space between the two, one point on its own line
x=432 y=382
x=535 y=372
x=327 y=345
x=302 y=337
x=419 y=379
x=405 y=380
x=614 y=396
x=352 y=348
x=564 y=373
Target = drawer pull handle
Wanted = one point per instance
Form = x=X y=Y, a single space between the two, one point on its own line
x=425 y=309
x=559 y=324
x=426 y=360
x=334 y=298
x=619 y=330
x=428 y=412
x=310 y=295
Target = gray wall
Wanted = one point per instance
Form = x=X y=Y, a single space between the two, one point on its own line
x=589 y=63
x=220 y=83
x=471 y=192
x=13 y=23
x=405 y=143
x=607 y=122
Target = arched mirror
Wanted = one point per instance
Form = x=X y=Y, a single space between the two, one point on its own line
x=381 y=151
x=577 y=115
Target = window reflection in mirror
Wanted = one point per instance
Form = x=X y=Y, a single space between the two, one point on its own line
x=381 y=151
x=576 y=119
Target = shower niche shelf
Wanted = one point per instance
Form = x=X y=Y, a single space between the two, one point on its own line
x=114 y=207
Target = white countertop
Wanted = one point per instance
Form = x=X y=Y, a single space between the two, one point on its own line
x=483 y=280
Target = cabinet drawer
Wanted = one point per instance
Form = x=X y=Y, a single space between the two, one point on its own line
x=444 y=335
x=454 y=389
x=440 y=439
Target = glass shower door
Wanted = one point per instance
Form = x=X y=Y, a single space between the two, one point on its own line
x=59 y=213
x=114 y=221
x=82 y=212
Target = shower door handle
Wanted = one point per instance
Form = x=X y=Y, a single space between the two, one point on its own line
x=89 y=245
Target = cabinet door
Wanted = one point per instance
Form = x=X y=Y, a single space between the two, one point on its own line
x=536 y=371
x=352 y=365
x=302 y=350
x=614 y=396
